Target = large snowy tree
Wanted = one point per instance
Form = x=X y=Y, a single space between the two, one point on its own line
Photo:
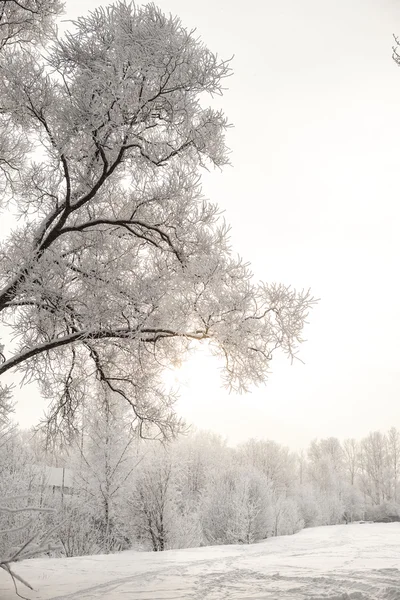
x=118 y=262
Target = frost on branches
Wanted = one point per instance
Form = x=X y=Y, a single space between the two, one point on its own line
x=26 y=21
x=21 y=23
x=118 y=263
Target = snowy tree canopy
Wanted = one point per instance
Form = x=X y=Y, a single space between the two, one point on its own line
x=118 y=262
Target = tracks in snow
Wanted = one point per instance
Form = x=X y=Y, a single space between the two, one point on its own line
x=207 y=580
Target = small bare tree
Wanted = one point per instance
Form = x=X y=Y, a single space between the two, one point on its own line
x=23 y=528
x=38 y=543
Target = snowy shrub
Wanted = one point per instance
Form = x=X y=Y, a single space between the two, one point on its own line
x=353 y=504
x=330 y=509
x=291 y=520
x=308 y=506
x=387 y=511
x=186 y=530
x=23 y=534
x=79 y=535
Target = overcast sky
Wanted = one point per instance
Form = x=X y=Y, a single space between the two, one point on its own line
x=313 y=198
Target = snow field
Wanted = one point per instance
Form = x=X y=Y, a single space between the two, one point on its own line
x=353 y=562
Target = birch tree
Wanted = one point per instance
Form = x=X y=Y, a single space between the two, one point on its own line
x=119 y=264
x=104 y=463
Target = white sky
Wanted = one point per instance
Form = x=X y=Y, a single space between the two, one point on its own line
x=313 y=198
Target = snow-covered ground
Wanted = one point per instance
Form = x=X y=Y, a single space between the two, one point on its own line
x=353 y=562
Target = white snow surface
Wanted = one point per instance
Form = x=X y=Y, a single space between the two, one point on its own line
x=342 y=562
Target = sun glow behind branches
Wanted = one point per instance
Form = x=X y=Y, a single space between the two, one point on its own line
x=199 y=372
x=272 y=412
x=202 y=399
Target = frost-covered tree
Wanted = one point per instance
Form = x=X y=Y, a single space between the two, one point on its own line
x=152 y=500
x=287 y=515
x=278 y=466
x=169 y=489
x=393 y=450
x=301 y=461
x=307 y=500
x=196 y=458
x=353 y=503
x=326 y=472
x=374 y=467
x=199 y=456
x=351 y=457
x=238 y=508
x=326 y=465
x=379 y=473
x=105 y=458
x=119 y=263
x=271 y=459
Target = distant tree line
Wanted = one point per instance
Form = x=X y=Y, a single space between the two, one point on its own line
x=195 y=491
